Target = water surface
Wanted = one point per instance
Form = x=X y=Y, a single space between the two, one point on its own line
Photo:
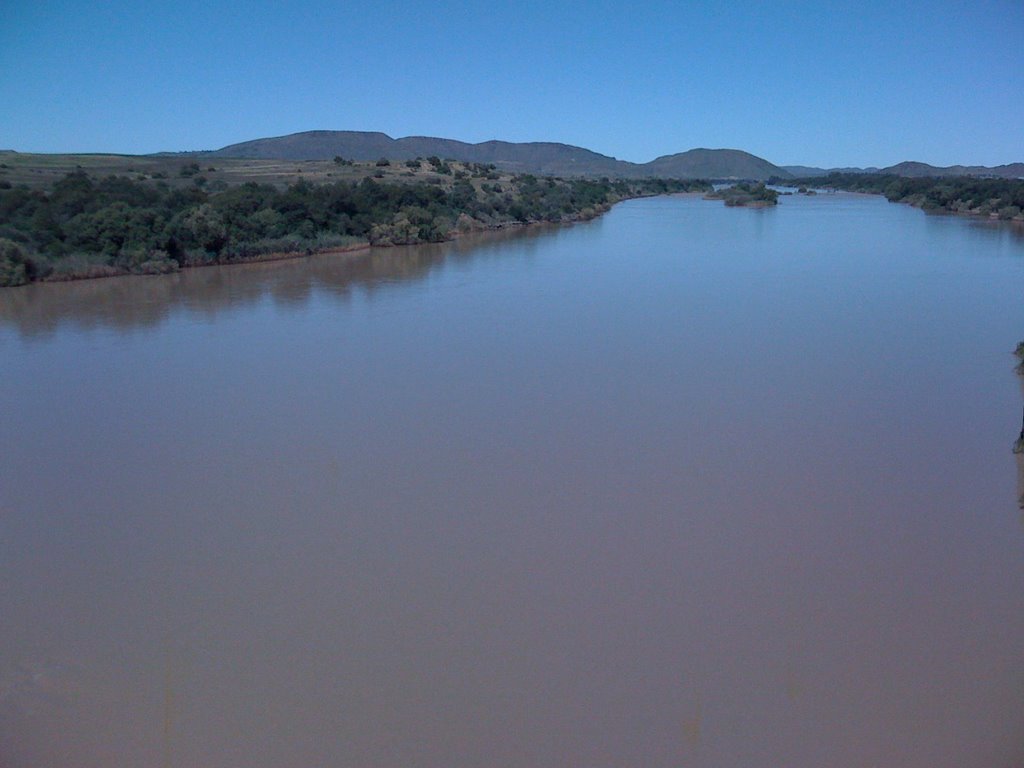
x=684 y=485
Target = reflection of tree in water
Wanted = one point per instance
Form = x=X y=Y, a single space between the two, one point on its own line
x=146 y=301
x=1020 y=482
x=1009 y=232
x=1018 y=447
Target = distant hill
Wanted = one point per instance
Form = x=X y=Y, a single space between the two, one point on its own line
x=545 y=158
x=713 y=164
x=807 y=171
x=804 y=171
x=553 y=159
x=540 y=157
x=916 y=170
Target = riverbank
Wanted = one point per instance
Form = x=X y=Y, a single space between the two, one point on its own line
x=87 y=228
x=993 y=199
x=1018 y=446
x=358 y=246
x=166 y=266
x=974 y=213
x=171 y=266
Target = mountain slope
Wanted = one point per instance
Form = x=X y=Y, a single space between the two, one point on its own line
x=807 y=171
x=554 y=159
x=312 y=145
x=713 y=164
x=915 y=170
x=540 y=157
x=545 y=158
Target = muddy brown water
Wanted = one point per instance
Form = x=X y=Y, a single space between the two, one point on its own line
x=681 y=486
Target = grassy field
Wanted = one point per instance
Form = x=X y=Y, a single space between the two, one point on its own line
x=38 y=171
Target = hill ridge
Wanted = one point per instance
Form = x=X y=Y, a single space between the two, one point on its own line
x=916 y=169
x=542 y=157
x=554 y=158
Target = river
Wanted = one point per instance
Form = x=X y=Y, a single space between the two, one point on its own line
x=681 y=486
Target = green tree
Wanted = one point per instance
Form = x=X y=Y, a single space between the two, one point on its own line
x=200 y=227
x=15 y=266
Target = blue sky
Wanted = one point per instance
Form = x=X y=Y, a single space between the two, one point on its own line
x=817 y=83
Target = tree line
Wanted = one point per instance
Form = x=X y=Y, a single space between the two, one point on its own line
x=85 y=227
x=996 y=198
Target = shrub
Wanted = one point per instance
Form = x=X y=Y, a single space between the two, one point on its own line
x=156 y=267
x=83 y=265
x=143 y=261
x=14 y=264
x=327 y=240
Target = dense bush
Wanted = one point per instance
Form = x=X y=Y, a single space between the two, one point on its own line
x=1000 y=198
x=746 y=194
x=15 y=266
x=86 y=227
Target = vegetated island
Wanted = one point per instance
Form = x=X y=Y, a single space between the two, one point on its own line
x=746 y=194
x=86 y=226
x=1001 y=199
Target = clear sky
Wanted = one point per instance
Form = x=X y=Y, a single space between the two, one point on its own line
x=816 y=83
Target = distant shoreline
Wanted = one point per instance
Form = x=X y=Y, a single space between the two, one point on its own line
x=993 y=199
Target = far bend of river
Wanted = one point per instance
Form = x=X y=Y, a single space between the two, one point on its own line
x=682 y=486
